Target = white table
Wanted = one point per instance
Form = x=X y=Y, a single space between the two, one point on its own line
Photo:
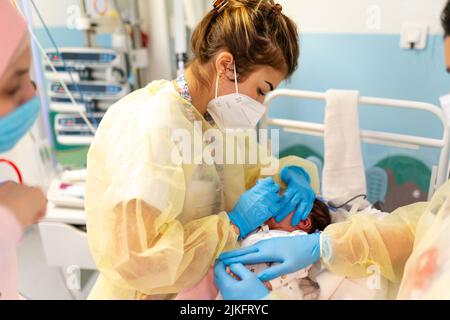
x=65 y=215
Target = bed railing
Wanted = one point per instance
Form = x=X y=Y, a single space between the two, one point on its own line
x=440 y=173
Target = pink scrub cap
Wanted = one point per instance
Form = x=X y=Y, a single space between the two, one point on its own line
x=12 y=30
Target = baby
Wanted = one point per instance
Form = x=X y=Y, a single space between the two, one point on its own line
x=293 y=285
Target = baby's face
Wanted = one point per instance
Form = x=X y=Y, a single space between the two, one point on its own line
x=285 y=225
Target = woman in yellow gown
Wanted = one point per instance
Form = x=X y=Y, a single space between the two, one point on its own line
x=156 y=224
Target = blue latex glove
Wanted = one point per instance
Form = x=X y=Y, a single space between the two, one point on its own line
x=248 y=288
x=256 y=206
x=299 y=195
x=289 y=254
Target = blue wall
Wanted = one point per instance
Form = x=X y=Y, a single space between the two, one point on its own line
x=376 y=66
x=65 y=37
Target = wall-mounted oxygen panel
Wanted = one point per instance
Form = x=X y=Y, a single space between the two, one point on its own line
x=414 y=36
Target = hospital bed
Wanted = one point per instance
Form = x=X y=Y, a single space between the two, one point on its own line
x=341 y=286
x=440 y=172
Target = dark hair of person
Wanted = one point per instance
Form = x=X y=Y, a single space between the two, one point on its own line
x=445 y=19
x=320 y=216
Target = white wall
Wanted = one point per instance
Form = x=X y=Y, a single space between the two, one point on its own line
x=156 y=20
x=363 y=16
x=55 y=13
x=58 y=13
x=313 y=16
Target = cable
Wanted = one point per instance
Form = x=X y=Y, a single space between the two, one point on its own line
x=77 y=88
x=124 y=25
x=52 y=40
x=90 y=112
x=105 y=9
x=15 y=168
x=69 y=93
x=333 y=206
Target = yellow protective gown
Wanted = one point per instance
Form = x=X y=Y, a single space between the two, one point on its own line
x=411 y=246
x=156 y=226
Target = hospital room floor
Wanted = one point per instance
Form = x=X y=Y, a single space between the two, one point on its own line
x=38 y=281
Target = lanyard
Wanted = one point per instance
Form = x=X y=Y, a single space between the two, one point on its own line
x=184 y=88
x=186 y=95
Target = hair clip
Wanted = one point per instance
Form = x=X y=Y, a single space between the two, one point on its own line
x=219 y=5
x=278 y=8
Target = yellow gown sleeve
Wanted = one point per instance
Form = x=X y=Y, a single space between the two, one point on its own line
x=134 y=202
x=369 y=242
x=354 y=247
x=161 y=260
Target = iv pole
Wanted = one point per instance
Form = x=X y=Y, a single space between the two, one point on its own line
x=180 y=36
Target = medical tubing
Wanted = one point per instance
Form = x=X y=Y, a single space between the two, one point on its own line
x=332 y=206
x=15 y=168
x=52 y=40
x=124 y=25
x=105 y=9
x=77 y=88
x=69 y=94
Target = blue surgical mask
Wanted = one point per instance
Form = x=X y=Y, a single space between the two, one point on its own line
x=16 y=124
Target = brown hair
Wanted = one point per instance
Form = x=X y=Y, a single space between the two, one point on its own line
x=320 y=216
x=255 y=32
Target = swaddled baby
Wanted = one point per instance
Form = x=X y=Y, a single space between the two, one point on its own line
x=293 y=286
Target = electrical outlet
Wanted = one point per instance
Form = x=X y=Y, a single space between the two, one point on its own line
x=414 y=36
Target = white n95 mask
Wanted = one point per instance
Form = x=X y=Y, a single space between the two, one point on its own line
x=235 y=111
